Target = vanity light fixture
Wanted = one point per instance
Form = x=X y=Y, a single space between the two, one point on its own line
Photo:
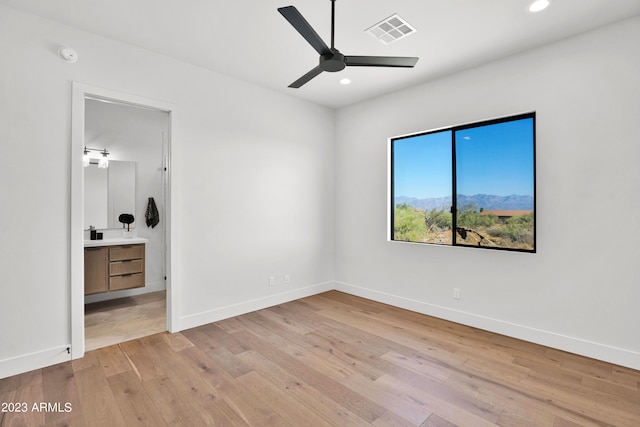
x=102 y=163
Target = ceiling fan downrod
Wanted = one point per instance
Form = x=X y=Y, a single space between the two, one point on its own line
x=333 y=22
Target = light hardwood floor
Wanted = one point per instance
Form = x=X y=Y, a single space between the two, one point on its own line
x=329 y=360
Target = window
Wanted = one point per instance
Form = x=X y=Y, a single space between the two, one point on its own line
x=489 y=166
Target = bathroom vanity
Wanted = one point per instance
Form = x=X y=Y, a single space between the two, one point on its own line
x=113 y=265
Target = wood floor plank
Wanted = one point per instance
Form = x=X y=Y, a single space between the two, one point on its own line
x=134 y=402
x=561 y=422
x=437 y=421
x=418 y=364
x=317 y=406
x=411 y=412
x=517 y=408
x=243 y=401
x=293 y=410
x=177 y=341
x=357 y=357
x=157 y=360
x=296 y=345
x=28 y=392
x=99 y=406
x=352 y=401
x=112 y=360
x=328 y=360
x=173 y=405
x=143 y=363
x=285 y=322
x=388 y=332
x=389 y=419
x=59 y=387
x=213 y=336
x=90 y=359
x=451 y=410
x=583 y=402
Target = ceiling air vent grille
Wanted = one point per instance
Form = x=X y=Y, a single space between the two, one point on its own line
x=391 y=29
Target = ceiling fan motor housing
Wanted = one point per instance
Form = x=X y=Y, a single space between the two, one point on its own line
x=333 y=61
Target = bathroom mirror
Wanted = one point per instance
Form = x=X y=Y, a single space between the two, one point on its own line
x=108 y=193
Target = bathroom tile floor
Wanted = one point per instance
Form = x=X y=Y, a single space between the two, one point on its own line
x=123 y=319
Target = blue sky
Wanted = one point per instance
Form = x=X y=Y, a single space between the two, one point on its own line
x=495 y=159
x=422 y=166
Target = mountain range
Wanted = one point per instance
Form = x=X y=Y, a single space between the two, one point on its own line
x=484 y=201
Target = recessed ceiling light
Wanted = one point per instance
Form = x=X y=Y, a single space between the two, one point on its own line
x=345 y=81
x=539 y=5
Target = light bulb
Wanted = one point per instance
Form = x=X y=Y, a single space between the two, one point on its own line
x=104 y=160
x=539 y=5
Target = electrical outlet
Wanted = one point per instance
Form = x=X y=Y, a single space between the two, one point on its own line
x=272 y=281
x=456 y=293
x=287 y=279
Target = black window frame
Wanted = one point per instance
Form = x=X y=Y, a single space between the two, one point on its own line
x=454 y=196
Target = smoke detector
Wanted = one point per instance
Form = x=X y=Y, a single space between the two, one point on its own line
x=68 y=54
x=391 y=29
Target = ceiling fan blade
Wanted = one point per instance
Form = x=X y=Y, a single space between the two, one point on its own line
x=380 y=61
x=296 y=19
x=304 y=79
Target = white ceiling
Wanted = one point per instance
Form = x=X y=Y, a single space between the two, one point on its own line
x=250 y=40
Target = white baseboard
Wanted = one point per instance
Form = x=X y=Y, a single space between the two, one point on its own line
x=29 y=362
x=148 y=288
x=574 y=345
x=238 y=309
x=618 y=356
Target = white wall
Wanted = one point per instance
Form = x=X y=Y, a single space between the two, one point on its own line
x=253 y=170
x=580 y=292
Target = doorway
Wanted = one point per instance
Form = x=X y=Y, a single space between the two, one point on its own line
x=89 y=103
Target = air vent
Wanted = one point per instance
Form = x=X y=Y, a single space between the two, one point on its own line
x=391 y=29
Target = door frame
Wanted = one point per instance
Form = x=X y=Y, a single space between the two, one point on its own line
x=80 y=92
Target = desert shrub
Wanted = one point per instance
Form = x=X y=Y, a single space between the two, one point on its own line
x=437 y=221
x=408 y=224
x=518 y=229
x=469 y=217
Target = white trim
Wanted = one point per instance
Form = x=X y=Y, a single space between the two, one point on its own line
x=238 y=309
x=29 y=362
x=603 y=352
x=618 y=356
x=148 y=288
x=79 y=92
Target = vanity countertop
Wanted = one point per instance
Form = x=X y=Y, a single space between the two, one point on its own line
x=115 y=241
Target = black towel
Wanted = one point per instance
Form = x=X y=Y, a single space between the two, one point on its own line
x=152 y=216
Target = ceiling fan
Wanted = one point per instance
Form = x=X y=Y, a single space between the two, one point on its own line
x=331 y=59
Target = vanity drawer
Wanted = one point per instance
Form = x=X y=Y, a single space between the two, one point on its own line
x=118 y=253
x=127 y=281
x=125 y=267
